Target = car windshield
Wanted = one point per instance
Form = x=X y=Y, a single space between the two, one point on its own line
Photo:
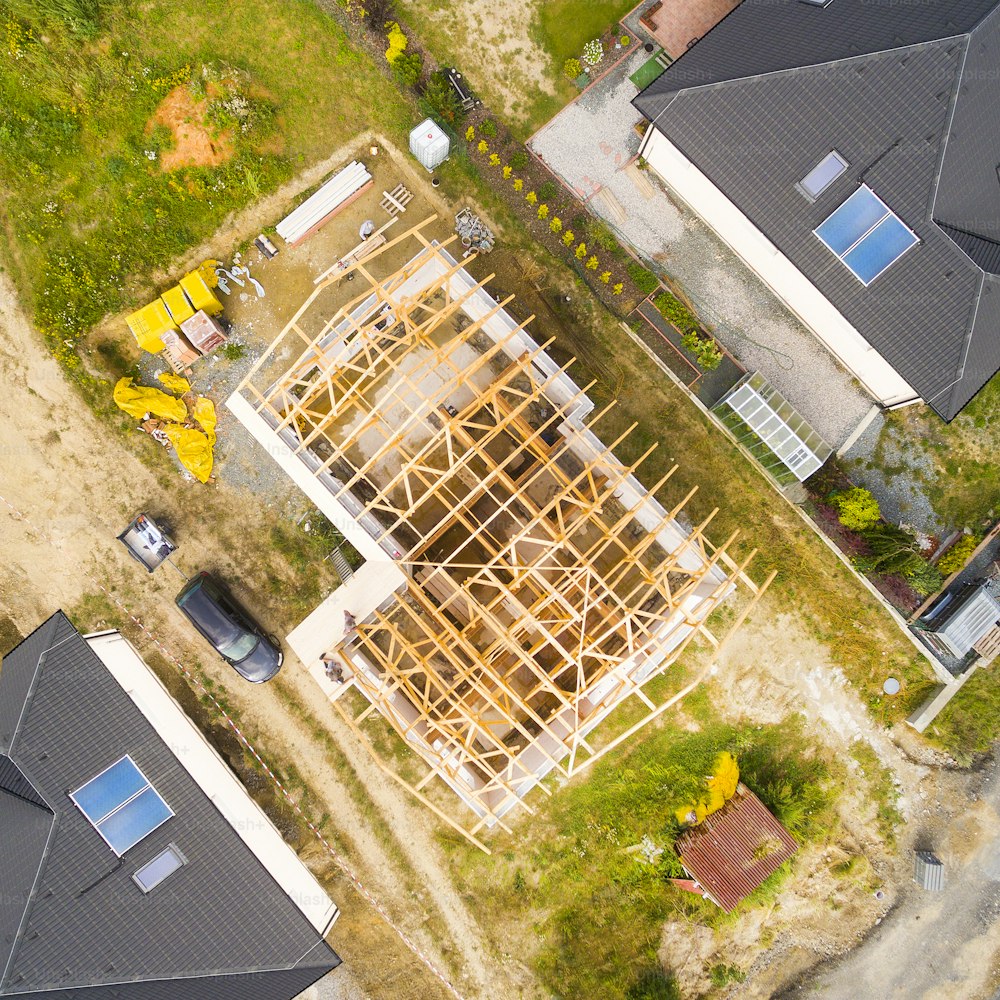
x=230 y=639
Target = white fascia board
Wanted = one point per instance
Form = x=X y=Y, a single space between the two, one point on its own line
x=787 y=282
x=210 y=772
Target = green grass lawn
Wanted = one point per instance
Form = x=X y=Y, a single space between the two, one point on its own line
x=565 y=26
x=90 y=214
x=596 y=910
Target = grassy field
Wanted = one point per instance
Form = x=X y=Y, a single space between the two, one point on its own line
x=89 y=211
x=512 y=51
x=596 y=907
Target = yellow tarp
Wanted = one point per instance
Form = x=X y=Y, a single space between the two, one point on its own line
x=201 y=296
x=137 y=401
x=148 y=323
x=175 y=383
x=204 y=413
x=193 y=449
x=720 y=786
x=207 y=270
x=177 y=304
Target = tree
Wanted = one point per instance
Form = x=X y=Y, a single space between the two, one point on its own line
x=856 y=507
x=407 y=67
x=440 y=99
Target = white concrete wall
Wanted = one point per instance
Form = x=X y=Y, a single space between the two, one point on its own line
x=776 y=271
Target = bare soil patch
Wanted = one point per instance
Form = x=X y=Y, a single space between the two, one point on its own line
x=196 y=142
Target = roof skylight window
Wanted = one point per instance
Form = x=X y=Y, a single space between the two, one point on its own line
x=153 y=872
x=865 y=235
x=822 y=175
x=122 y=805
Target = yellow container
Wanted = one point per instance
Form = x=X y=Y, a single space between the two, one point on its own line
x=148 y=323
x=201 y=296
x=177 y=304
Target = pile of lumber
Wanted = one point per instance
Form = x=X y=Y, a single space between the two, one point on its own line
x=338 y=192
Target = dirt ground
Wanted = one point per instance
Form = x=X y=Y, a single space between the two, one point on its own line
x=195 y=144
x=70 y=483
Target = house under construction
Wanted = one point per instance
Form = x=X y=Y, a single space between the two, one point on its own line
x=520 y=583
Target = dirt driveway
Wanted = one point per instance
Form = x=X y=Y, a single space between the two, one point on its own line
x=935 y=946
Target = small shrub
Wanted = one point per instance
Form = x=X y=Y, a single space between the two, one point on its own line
x=507 y=171
x=618 y=289
x=856 y=508
x=520 y=883
x=591 y=264
x=397 y=43
x=602 y=235
x=556 y=224
x=581 y=251
x=593 y=52
x=625 y=40
x=518 y=184
x=483 y=146
x=232 y=351
x=489 y=128
x=568 y=237
x=543 y=211
x=958 y=555
x=645 y=281
x=519 y=160
x=674 y=311
x=705 y=350
x=605 y=276
x=470 y=134
x=494 y=160
x=572 y=68
x=440 y=99
x=531 y=198
x=924 y=578
x=723 y=975
x=547 y=190
x=407 y=68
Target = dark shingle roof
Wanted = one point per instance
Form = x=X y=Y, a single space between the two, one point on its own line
x=85 y=929
x=906 y=93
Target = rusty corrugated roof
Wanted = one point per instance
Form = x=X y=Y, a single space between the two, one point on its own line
x=732 y=851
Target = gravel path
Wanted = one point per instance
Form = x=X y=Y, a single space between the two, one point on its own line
x=589 y=145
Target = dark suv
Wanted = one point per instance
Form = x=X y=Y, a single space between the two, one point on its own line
x=229 y=629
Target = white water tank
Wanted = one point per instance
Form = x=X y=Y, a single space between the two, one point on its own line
x=429 y=144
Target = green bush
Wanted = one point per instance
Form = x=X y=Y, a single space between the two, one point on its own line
x=674 y=311
x=723 y=975
x=856 y=508
x=519 y=160
x=958 y=555
x=924 y=578
x=408 y=68
x=654 y=985
x=645 y=281
x=440 y=99
x=489 y=128
x=603 y=236
x=547 y=190
x=706 y=352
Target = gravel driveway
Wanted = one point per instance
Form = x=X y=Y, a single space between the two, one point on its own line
x=933 y=944
x=591 y=145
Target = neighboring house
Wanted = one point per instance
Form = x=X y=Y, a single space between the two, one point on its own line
x=848 y=151
x=133 y=863
x=959 y=623
x=732 y=851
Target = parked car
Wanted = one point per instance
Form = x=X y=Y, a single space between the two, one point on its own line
x=230 y=630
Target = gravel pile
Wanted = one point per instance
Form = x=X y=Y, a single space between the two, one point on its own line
x=588 y=144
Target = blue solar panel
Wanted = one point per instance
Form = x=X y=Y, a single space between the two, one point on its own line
x=109 y=789
x=847 y=224
x=126 y=826
x=122 y=805
x=888 y=241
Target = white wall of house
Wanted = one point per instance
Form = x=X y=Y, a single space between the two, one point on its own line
x=776 y=271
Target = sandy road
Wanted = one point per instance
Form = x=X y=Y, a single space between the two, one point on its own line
x=72 y=484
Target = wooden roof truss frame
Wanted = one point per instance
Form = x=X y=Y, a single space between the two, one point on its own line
x=536 y=600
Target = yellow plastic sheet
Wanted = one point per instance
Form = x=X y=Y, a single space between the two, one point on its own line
x=720 y=786
x=137 y=401
x=204 y=413
x=175 y=383
x=193 y=449
x=207 y=270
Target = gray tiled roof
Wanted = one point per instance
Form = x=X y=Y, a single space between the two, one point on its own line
x=221 y=922
x=906 y=93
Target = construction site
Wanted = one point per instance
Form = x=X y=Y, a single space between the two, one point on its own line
x=520 y=584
